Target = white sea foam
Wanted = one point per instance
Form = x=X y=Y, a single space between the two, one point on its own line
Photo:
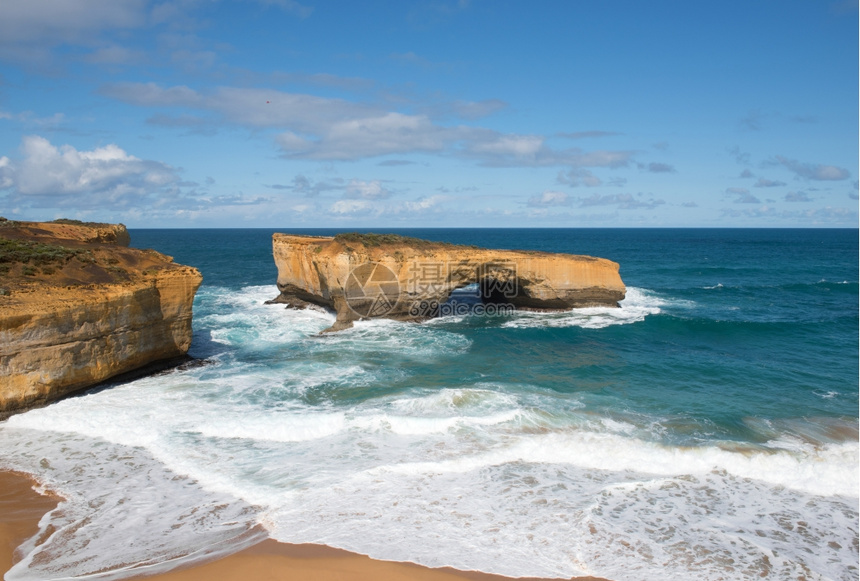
x=527 y=517
x=242 y=318
x=828 y=471
x=638 y=304
x=118 y=496
x=275 y=427
x=394 y=337
x=490 y=492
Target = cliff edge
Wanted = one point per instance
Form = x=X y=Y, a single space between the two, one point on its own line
x=383 y=275
x=78 y=307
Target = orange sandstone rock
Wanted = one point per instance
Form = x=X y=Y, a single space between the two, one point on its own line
x=369 y=276
x=83 y=308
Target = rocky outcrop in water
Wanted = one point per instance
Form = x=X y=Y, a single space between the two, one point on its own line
x=370 y=275
x=78 y=307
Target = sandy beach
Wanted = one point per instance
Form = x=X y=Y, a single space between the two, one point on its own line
x=21 y=507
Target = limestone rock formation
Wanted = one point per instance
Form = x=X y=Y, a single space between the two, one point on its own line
x=370 y=275
x=78 y=307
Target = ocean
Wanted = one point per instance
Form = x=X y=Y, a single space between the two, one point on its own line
x=707 y=429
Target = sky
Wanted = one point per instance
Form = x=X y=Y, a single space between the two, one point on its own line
x=436 y=113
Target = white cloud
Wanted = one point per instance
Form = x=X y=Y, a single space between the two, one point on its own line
x=578 y=176
x=743 y=196
x=372 y=190
x=294 y=144
x=588 y=134
x=742 y=157
x=797 y=197
x=811 y=217
x=31 y=119
x=5 y=173
x=766 y=183
x=511 y=150
x=380 y=135
x=309 y=189
x=600 y=158
x=813 y=171
x=747 y=199
x=336 y=129
x=622 y=201
x=516 y=146
x=31 y=29
x=352 y=207
x=104 y=172
x=26 y=21
x=115 y=55
x=425 y=203
x=549 y=198
x=152 y=95
x=476 y=109
x=655 y=167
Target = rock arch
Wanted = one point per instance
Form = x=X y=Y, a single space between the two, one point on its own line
x=409 y=276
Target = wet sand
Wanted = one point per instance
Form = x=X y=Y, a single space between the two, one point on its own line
x=21 y=507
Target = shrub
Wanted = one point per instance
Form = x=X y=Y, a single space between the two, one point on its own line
x=86 y=257
x=372 y=239
x=37 y=253
x=78 y=222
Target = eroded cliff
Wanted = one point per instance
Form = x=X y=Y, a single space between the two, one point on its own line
x=78 y=307
x=369 y=275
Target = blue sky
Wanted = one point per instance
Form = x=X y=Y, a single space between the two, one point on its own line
x=280 y=113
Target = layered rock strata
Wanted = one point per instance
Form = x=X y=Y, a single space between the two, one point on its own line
x=78 y=307
x=368 y=276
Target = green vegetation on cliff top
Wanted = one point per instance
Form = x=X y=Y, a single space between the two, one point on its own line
x=79 y=223
x=372 y=239
x=7 y=223
x=39 y=253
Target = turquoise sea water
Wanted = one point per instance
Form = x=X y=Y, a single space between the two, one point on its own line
x=706 y=430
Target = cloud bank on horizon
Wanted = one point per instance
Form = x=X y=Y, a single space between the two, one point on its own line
x=280 y=113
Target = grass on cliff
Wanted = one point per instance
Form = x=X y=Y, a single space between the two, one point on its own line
x=39 y=253
x=370 y=239
x=7 y=223
x=79 y=223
